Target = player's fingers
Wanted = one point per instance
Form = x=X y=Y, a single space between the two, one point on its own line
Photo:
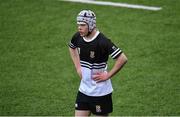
x=95 y=76
x=99 y=80
x=96 y=79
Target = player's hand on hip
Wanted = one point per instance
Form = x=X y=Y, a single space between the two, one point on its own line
x=99 y=77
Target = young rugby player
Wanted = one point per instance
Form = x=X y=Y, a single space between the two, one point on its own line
x=89 y=50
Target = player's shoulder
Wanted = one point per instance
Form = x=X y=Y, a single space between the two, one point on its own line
x=76 y=35
x=103 y=38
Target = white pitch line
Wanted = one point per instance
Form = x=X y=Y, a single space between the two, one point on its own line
x=116 y=4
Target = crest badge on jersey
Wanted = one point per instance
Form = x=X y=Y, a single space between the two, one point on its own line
x=98 y=108
x=92 y=54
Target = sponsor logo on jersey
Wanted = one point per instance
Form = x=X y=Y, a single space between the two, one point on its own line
x=114 y=48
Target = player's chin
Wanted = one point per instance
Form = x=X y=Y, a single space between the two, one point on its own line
x=82 y=34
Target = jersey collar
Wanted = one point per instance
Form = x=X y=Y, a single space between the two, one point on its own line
x=89 y=40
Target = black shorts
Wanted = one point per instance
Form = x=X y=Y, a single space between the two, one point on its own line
x=101 y=105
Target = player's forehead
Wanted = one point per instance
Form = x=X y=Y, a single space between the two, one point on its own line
x=81 y=24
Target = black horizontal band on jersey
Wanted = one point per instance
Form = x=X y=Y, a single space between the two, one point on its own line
x=94 y=65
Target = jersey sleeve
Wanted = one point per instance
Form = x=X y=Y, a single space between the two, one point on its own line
x=73 y=42
x=113 y=50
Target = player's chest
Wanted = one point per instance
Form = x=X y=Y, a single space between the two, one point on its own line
x=89 y=50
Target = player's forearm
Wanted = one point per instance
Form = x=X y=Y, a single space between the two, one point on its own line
x=75 y=57
x=120 y=62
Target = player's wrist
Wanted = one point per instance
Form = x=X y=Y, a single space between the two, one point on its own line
x=108 y=75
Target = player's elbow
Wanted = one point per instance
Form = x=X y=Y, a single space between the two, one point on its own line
x=124 y=58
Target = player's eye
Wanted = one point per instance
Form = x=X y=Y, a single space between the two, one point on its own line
x=82 y=24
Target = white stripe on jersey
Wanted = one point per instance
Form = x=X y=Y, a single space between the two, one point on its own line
x=103 y=63
x=116 y=54
x=115 y=51
x=71 y=45
x=94 y=65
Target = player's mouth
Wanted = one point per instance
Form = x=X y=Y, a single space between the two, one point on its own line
x=81 y=33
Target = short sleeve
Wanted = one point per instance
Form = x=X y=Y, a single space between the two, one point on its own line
x=73 y=42
x=113 y=50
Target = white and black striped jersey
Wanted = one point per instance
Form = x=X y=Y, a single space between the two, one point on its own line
x=93 y=58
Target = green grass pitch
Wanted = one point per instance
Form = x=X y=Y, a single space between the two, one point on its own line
x=37 y=76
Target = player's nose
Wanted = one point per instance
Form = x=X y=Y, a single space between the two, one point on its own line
x=79 y=28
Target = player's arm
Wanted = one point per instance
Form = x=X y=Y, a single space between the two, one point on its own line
x=75 y=58
x=119 y=63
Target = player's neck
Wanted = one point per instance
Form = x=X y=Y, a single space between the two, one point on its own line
x=90 y=36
